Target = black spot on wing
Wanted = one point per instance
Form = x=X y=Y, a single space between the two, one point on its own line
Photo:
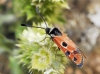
x=67 y=53
x=75 y=52
x=75 y=59
x=64 y=44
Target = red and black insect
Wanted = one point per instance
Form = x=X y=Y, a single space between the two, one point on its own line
x=63 y=42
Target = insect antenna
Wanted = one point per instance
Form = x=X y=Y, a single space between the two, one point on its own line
x=37 y=10
x=31 y=26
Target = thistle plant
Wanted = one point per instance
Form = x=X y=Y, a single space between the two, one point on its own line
x=41 y=56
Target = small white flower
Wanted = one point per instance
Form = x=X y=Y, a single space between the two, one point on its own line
x=28 y=34
x=44 y=25
x=25 y=33
x=31 y=36
x=39 y=37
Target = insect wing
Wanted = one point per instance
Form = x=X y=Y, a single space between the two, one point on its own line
x=70 y=49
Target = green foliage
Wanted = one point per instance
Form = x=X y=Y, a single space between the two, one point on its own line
x=40 y=56
x=5 y=44
x=51 y=10
x=14 y=66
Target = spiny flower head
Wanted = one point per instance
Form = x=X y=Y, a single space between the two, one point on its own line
x=40 y=56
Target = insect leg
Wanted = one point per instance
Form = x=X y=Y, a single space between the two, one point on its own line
x=44 y=38
x=58 y=48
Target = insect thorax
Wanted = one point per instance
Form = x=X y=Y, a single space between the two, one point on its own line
x=53 y=32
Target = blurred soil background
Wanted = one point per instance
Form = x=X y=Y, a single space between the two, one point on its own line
x=82 y=26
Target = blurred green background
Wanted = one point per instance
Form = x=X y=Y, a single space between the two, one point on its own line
x=79 y=19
